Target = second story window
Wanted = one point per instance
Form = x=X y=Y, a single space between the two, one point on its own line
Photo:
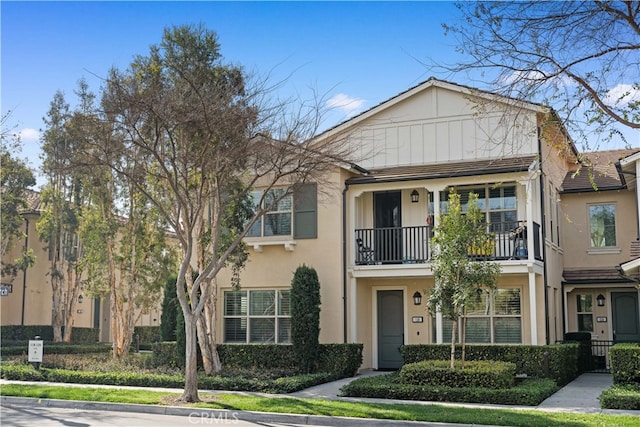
x=602 y=225
x=277 y=220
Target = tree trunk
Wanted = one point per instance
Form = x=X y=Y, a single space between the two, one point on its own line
x=454 y=326
x=207 y=338
x=463 y=338
x=57 y=308
x=190 y=393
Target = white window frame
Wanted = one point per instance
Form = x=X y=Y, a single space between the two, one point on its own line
x=280 y=314
x=594 y=244
x=584 y=313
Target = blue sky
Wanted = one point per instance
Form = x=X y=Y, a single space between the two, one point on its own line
x=356 y=54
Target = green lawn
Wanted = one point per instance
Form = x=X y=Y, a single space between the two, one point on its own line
x=415 y=412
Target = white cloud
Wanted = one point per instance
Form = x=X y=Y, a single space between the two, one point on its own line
x=622 y=94
x=348 y=105
x=29 y=135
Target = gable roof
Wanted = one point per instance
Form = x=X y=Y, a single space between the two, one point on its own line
x=599 y=167
x=429 y=83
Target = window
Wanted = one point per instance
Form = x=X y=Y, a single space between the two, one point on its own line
x=602 y=225
x=288 y=214
x=492 y=317
x=257 y=316
x=499 y=204
x=585 y=312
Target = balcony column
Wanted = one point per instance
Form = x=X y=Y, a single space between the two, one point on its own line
x=533 y=304
x=436 y=216
x=353 y=310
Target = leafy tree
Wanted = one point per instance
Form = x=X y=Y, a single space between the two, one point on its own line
x=201 y=137
x=578 y=56
x=15 y=180
x=305 y=317
x=62 y=199
x=458 y=277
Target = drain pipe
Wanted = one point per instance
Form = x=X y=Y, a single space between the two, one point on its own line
x=544 y=245
x=24 y=271
x=344 y=261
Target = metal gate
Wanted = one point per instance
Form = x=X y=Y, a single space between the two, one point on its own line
x=600 y=356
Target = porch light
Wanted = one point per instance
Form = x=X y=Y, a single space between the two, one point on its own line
x=80 y=299
x=415 y=196
x=600 y=300
x=417 y=298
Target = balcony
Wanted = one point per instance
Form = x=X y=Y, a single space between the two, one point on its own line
x=410 y=245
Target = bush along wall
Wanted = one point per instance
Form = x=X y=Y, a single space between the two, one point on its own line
x=558 y=362
x=19 y=333
x=340 y=360
x=625 y=363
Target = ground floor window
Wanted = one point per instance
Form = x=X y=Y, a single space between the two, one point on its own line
x=585 y=312
x=493 y=317
x=257 y=316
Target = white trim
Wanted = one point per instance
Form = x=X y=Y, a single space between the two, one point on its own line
x=628 y=266
x=289 y=245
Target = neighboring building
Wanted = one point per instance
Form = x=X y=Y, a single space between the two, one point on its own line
x=366 y=230
x=27 y=298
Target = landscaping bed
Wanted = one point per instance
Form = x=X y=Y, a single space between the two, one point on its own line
x=391 y=386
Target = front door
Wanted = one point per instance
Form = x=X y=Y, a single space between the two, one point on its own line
x=390 y=329
x=388 y=226
x=626 y=326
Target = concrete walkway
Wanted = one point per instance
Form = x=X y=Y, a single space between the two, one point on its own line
x=581 y=395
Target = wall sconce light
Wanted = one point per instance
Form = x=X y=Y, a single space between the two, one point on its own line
x=415 y=196
x=417 y=298
x=600 y=300
x=80 y=299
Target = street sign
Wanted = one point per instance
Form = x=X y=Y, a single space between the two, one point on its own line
x=35 y=351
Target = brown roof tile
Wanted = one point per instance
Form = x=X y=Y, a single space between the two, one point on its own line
x=596 y=168
x=448 y=169
x=594 y=275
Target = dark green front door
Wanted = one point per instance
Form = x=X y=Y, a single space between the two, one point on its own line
x=390 y=329
x=626 y=324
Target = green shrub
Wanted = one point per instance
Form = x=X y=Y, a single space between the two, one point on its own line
x=621 y=397
x=342 y=359
x=48 y=348
x=305 y=317
x=147 y=334
x=45 y=332
x=625 y=363
x=232 y=383
x=170 y=307
x=560 y=362
x=528 y=393
x=480 y=373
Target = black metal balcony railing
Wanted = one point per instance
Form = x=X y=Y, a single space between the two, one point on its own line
x=409 y=245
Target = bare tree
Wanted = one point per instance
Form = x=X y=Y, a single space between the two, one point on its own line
x=581 y=57
x=203 y=139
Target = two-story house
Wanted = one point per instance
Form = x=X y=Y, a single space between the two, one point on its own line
x=371 y=241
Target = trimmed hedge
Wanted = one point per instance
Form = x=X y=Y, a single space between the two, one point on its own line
x=341 y=360
x=475 y=373
x=529 y=392
x=233 y=383
x=621 y=397
x=23 y=348
x=147 y=335
x=625 y=363
x=45 y=332
x=560 y=364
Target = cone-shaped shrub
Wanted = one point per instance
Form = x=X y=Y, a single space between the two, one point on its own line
x=305 y=317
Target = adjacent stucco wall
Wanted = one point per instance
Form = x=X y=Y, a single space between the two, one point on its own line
x=575 y=229
x=274 y=266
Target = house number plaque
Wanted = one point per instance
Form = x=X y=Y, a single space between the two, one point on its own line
x=417 y=319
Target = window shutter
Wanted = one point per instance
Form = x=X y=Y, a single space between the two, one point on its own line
x=305 y=210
